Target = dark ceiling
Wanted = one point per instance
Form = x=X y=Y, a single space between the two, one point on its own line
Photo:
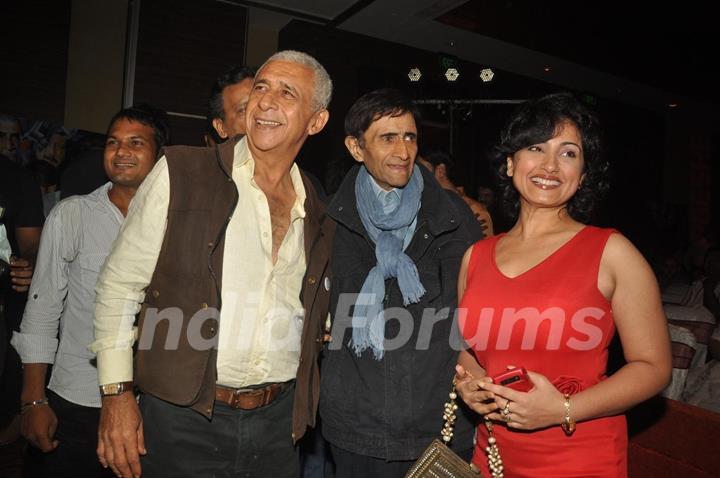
x=669 y=46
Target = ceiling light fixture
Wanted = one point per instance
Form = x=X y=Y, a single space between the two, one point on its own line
x=486 y=75
x=452 y=74
x=414 y=74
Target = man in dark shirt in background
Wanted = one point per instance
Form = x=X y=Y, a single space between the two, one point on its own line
x=22 y=218
x=228 y=99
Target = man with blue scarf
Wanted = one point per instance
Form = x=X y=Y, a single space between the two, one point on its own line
x=399 y=242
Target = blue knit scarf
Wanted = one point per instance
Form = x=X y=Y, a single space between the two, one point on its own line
x=388 y=232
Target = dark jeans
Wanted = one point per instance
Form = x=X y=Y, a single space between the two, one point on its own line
x=353 y=465
x=315 y=454
x=235 y=443
x=75 y=455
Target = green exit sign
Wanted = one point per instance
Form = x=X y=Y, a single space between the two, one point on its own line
x=589 y=99
x=448 y=62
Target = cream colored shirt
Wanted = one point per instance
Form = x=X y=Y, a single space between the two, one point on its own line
x=261 y=318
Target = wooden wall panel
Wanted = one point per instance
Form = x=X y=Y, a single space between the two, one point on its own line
x=34 y=50
x=182 y=47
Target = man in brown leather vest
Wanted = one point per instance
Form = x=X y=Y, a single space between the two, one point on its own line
x=226 y=252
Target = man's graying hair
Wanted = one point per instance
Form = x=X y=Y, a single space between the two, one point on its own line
x=323 y=84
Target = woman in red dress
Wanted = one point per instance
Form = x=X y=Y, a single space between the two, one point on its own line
x=548 y=296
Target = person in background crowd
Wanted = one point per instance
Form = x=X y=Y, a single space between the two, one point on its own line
x=54 y=150
x=83 y=171
x=441 y=165
x=703 y=381
x=695 y=256
x=47 y=176
x=21 y=218
x=235 y=241
x=9 y=136
x=62 y=420
x=486 y=195
x=548 y=296
x=228 y=101
x=711 y=282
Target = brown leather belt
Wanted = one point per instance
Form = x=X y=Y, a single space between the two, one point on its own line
x=248 y=398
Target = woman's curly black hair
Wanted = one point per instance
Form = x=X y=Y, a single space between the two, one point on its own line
x=537 y=121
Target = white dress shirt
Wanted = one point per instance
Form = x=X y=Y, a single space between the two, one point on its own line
x=261 y=317
x=76 y=239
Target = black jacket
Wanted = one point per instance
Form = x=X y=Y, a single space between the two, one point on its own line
x=392 y=408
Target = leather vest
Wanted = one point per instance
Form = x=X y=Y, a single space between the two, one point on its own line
x=182 y=303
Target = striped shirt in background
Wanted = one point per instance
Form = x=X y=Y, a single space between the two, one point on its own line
x=76 y=239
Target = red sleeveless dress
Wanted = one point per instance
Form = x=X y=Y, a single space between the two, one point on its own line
x=552 y=319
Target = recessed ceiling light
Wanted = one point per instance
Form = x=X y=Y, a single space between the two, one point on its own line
x=487 y=75
x=452 y=74
x=414 y=74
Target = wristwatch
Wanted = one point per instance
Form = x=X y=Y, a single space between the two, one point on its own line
x=111 y=389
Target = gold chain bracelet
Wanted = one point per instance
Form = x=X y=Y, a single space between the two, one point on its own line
x=28 y=405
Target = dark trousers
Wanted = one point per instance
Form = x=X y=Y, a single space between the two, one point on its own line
x=353 y=465
x=75 y=455
x=235 y=443
x=315 y=454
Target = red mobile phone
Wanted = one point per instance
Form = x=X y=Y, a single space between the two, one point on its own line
x=515 y=378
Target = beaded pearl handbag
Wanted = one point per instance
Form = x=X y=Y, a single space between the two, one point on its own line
x=438 y=461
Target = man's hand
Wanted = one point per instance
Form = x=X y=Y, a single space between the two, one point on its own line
x=120 y=437
x=21 y=272
x=38 y=424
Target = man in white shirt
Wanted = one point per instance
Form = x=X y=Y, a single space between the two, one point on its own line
x=224 y=253
x=75 y=242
